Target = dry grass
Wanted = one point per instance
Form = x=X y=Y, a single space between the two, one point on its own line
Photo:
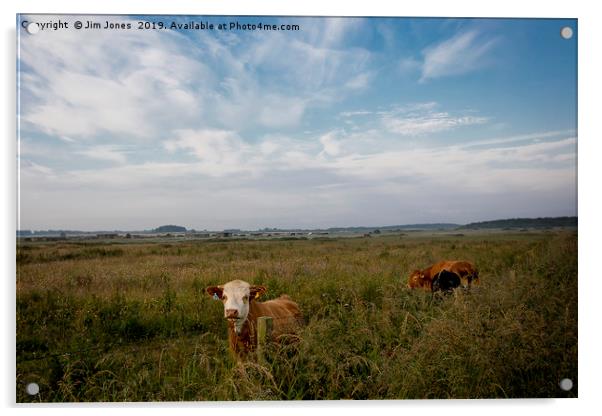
x=100 y=322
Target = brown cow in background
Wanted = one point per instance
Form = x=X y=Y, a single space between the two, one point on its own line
x=444 y=275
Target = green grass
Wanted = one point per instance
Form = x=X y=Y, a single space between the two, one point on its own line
x=131 y=322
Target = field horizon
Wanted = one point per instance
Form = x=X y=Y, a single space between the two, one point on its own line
x=514 y=222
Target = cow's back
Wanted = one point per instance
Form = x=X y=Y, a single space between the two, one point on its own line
x=286 y=315
x=436 y=268
x=464 y=269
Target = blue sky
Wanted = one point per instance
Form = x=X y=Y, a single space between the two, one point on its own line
x=347 y=121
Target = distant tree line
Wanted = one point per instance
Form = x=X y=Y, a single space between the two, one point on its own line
x=546 y=222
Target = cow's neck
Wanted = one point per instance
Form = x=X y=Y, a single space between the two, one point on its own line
x=254 y=312
x=245 y=339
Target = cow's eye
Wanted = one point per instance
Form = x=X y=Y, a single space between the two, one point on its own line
x=224 y=298
x=245 y=299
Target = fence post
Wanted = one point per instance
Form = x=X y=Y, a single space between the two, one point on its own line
x=264 y=332
x=513 y=275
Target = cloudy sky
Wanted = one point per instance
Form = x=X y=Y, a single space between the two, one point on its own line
x=344 y=122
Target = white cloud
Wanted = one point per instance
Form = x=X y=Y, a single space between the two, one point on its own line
x=331 y=145
x=462 y=53
x=336 y=28
x=420 y=119
x=521 y=137
x=105 y=153
x=281 y=111
x=355 y=113
x=220 y=152
x=126 y=87
x=282 y=179
x=533 y=167
x=296 y=75
x=314 y=59
x=84 y=106
x=435 y=122
x=120 y=83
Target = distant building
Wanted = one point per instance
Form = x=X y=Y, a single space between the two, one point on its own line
x=201 y=235
x=107 y=235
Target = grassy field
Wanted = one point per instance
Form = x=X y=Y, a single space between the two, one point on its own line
x=131 y=322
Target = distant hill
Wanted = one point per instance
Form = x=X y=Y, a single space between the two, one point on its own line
x=170 y=229
x=524 y=223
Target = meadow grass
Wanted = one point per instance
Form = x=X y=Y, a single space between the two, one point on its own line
x=132 y=322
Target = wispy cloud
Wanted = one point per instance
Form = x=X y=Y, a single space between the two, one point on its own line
x=161 y=81
x=422 y=118
x=347 y=114
x=285 y=182
x=462 y=53
x=219 y=152
x=107 y=153
x=520 y=137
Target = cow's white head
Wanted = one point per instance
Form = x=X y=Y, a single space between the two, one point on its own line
x=236 y=297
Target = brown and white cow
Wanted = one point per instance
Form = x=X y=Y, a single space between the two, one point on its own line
x=242 y=309
x=446 y=275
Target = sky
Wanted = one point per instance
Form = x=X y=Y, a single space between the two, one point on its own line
x=343 y=122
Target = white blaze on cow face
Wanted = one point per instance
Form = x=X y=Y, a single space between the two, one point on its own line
x=236 y=296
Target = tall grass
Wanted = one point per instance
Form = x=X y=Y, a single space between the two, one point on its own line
x=137 y=325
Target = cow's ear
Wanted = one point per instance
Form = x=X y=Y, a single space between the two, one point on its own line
x=215 y=291
x=257 y=291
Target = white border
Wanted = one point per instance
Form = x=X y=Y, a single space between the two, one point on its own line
x=590 y=209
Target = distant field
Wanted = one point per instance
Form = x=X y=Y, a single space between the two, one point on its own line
x=116 y=321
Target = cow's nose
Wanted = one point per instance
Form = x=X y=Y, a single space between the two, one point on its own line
x=231 y=313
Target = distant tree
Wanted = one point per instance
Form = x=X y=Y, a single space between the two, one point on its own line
x=170 y=229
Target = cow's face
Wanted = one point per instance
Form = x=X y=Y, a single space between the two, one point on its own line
x=236 y=296
x=417 y=279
